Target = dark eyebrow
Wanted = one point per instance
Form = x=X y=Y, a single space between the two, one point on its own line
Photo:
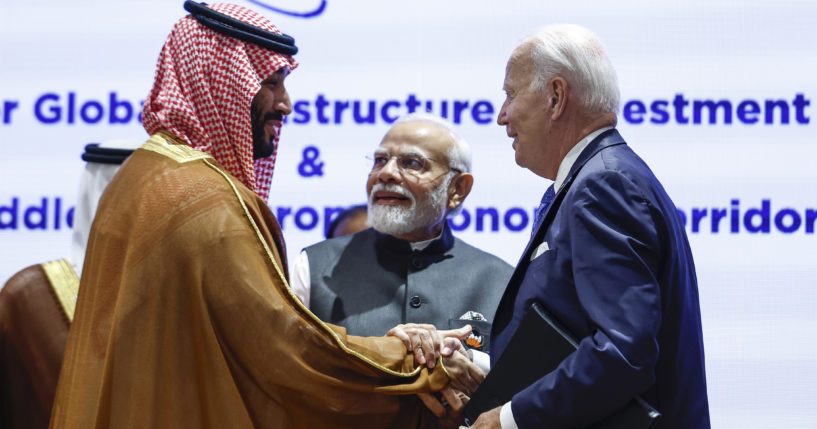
x=279 y=74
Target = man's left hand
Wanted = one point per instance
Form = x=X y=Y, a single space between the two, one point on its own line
x=466 y=376
x=487 y=420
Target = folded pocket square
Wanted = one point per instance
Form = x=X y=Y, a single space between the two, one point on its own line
x=542 y=248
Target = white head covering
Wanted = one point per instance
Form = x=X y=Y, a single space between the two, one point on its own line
x=95 y=177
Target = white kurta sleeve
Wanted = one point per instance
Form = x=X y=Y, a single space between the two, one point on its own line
x=299 y=278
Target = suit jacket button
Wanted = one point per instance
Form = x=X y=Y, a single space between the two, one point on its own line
x=417 y=262
x=415 y=301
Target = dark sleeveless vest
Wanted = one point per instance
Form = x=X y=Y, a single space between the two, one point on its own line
x=370 y=282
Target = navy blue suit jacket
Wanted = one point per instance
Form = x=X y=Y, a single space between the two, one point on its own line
x=619 y=275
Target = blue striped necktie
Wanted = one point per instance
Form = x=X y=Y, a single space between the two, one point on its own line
x=550 y=194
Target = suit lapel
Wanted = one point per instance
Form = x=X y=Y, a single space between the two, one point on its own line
x=606 y=139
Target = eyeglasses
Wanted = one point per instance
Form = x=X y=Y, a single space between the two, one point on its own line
x=410 y=163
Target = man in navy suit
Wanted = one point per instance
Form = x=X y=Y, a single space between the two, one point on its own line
x=608 y=256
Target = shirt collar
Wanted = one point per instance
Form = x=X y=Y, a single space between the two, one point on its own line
x=573 y=155
x=439 y=244
x=420 y=245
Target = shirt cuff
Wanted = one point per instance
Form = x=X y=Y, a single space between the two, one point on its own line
x=506 y=419
x=482 y=360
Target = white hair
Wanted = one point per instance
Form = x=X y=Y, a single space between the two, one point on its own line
x=459 y=153
x=576 y=54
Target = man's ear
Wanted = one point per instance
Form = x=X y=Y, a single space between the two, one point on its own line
x=558 y=92
x=459 y=188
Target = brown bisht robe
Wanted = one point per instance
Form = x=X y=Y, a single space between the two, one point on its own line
x=36 y=307
x=185 y=318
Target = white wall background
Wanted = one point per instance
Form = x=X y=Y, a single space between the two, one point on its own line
x=757 y=289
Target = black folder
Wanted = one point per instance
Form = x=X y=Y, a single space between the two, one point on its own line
x=525 y=361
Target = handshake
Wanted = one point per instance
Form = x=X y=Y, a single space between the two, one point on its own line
x=430 y=346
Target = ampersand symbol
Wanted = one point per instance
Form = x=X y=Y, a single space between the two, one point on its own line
x=308 y=167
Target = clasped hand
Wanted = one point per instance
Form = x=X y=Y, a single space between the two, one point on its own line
x=428 y=345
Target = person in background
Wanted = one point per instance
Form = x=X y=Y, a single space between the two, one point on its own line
x=349 y=221
x=37 y=304
x=408 y=268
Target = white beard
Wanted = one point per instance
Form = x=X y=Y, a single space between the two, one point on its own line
x=398 y=220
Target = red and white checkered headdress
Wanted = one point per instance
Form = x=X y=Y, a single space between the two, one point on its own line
x=204 y=85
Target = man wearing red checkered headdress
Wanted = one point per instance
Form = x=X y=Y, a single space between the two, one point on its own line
x=208 y=83
x=184 y=316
